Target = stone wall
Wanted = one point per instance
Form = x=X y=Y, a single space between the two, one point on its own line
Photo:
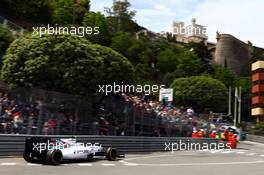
x=232 y=53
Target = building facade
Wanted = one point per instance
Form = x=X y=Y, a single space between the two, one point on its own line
x=233 y=53
x=190 y=33
x=258 y=90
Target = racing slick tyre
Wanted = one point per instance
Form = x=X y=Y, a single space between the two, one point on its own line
x=90 y=156
x=28 y=158
x=54 y=157
x=111 y=154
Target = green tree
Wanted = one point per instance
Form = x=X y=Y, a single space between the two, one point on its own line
x=116 y=68
x=200 y=92
x=167 y=61
x=138 y=51
x=6 y=37
x=185 y=61
x=37 y=11
x=121 y=9
x=120 y=16
x=97 y=20
x=201 y=50
x=64 y=12
x=224 y=75
x=69 y=11
x=121 y=42
x=65 y=63
x=188 y=63
x=246 y=84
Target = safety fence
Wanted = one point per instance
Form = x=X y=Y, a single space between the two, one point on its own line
x=40 y=112
x=13 y=145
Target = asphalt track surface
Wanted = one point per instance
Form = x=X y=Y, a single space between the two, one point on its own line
x=248 y=159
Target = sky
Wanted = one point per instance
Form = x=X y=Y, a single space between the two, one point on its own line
x=243 y=19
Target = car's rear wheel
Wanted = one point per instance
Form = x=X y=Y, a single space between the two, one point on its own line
x=27 y=158
x=54 y=157
x=111 y=154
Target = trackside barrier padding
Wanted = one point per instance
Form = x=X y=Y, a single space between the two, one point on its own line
x=13 y=145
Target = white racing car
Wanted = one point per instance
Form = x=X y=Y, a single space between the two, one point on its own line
x=55 y=151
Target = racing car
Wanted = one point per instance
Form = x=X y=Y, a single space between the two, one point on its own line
x=54 y=151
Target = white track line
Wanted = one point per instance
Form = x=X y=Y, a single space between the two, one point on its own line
x=8 y=164
x=227 y=152
x=108 y=164
x=204 y=164
x=251 y=154
x=130 y=164
x=33 y=164
x=85 y=164
x=240 y=152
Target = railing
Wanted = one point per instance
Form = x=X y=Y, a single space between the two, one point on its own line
x=255 y=138
x=12 y=26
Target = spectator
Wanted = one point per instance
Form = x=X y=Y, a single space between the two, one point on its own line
x=18 y=123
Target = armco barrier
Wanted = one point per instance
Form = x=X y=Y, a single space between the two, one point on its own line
x=255 y=138
x=13 y=145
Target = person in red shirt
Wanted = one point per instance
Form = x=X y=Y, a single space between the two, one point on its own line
x=232 y=140
x=195 y=134
x=213 y=134
x=200 y=133
x=226 y=134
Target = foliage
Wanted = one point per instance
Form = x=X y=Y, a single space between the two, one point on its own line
x=65 y=63
x=167 y=61
x=63 y=12
x=120 y=17
x=246 y=84
x=200 y=92
x=184 y=61
x=116 y=68
x=201 y=50
x=6 y=37
x=121 y=9
x=257 y=54
x=97 y=20
x=258 y=129
x=224 y=75
x=47 y=11
x=38 y=11
x=121 y=42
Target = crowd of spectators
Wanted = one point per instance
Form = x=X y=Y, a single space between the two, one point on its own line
x=14 y=114
x=172 y=121
x=139 y=115
x=20 y=117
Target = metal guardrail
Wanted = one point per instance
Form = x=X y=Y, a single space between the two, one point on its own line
x=12 y=26
x=13 y=145
x=255 y=138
